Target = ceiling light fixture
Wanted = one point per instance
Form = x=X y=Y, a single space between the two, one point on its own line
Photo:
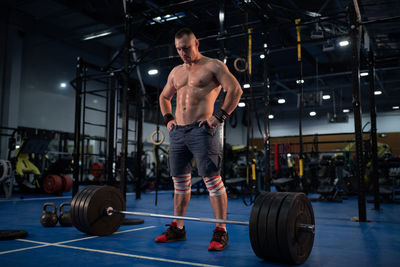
x=270 y=116
x=96 y=35
x=241 y=104
x=246 y=85
x=167 y=17
x=346 y=110
x=153 y=72
x=344 y=43
x=313 y=113
x=63 y=85
x=326 y=97
x=377 y=92
x=281 y=101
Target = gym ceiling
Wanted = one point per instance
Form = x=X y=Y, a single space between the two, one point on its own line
x=326 y=64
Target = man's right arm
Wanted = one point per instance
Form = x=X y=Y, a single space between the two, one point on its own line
x=165 y=99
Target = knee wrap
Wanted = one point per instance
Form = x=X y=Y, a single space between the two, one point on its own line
x=214 y=185
x=182 y=184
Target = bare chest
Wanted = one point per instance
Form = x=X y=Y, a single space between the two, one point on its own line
x=194 y=78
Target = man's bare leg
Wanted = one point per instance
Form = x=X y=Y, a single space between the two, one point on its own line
x=220 y=205
x=218 y=197
x=181 y=202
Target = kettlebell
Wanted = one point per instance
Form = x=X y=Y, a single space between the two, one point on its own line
x=49 y=218
x=65 y=215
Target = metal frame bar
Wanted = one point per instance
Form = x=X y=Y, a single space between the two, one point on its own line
x=77 y=127
x=359 y=164
x=110 y=137
x=139 y=143
x=109 y=211
x=267 y=110
x=374 y=142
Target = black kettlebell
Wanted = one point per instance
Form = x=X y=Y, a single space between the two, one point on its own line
x=49 y=218
x=65 y=215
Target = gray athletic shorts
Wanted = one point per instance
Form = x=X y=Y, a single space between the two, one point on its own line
x=191 y=142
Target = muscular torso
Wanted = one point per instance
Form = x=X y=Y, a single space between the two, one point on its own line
x=197 y=90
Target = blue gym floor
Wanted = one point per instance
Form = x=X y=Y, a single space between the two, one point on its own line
x=338 y=241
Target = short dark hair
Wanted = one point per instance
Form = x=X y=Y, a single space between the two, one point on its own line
x=184 y=31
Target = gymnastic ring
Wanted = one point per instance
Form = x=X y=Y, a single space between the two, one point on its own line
x=161 y=140
x=241 y=60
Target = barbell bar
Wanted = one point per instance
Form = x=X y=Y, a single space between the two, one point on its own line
x=309 y=228
x=281 y=225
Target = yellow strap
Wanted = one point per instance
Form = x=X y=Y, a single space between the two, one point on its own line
x=297 y=21
x=253 y=171
x=249 y=31
x=301 y=167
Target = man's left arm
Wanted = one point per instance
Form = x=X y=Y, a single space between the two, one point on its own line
x=232 y=97
x=231 y=86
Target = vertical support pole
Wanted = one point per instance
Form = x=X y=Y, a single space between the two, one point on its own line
x=124 y=104
x=77 y=127
x=110 y=138
x=139 y=143
x=374 y=142
x=157 y=147
x=222 y=57
x=300 y=82
x=124 y=135
x=359 y=164
x=222 y=30
x=267 y=134
x=83 y=156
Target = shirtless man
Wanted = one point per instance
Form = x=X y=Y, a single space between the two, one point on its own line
x=197 y=84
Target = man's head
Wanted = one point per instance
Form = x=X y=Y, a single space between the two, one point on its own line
x=187 y=45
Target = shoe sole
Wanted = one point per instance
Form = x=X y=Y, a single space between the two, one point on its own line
x=169 y=241
x=215 y=249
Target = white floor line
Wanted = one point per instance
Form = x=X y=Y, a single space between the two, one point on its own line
x=91 y=237
x=30 y=199
x=22 y=249
x=67 y=241
x=121 y=254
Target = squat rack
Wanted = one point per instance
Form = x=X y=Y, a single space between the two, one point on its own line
x=354 y=25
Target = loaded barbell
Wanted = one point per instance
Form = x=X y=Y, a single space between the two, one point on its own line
x=281 y=225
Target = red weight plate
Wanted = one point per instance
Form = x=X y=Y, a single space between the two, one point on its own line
x=52 y=184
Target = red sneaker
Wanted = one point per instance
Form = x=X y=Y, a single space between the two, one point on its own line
x=219 y=240
x=172 y=234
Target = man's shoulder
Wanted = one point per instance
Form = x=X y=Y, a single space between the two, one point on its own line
x=176 y=68
x=215 y=65
x=212 y=60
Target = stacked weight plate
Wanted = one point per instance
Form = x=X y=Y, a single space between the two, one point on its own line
x=88 y=210
x=274 y=227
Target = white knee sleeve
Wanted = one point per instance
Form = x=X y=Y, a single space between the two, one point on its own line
x=214 y=185
x=182 y=184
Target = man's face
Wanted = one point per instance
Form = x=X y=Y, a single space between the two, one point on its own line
x=187 y=48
